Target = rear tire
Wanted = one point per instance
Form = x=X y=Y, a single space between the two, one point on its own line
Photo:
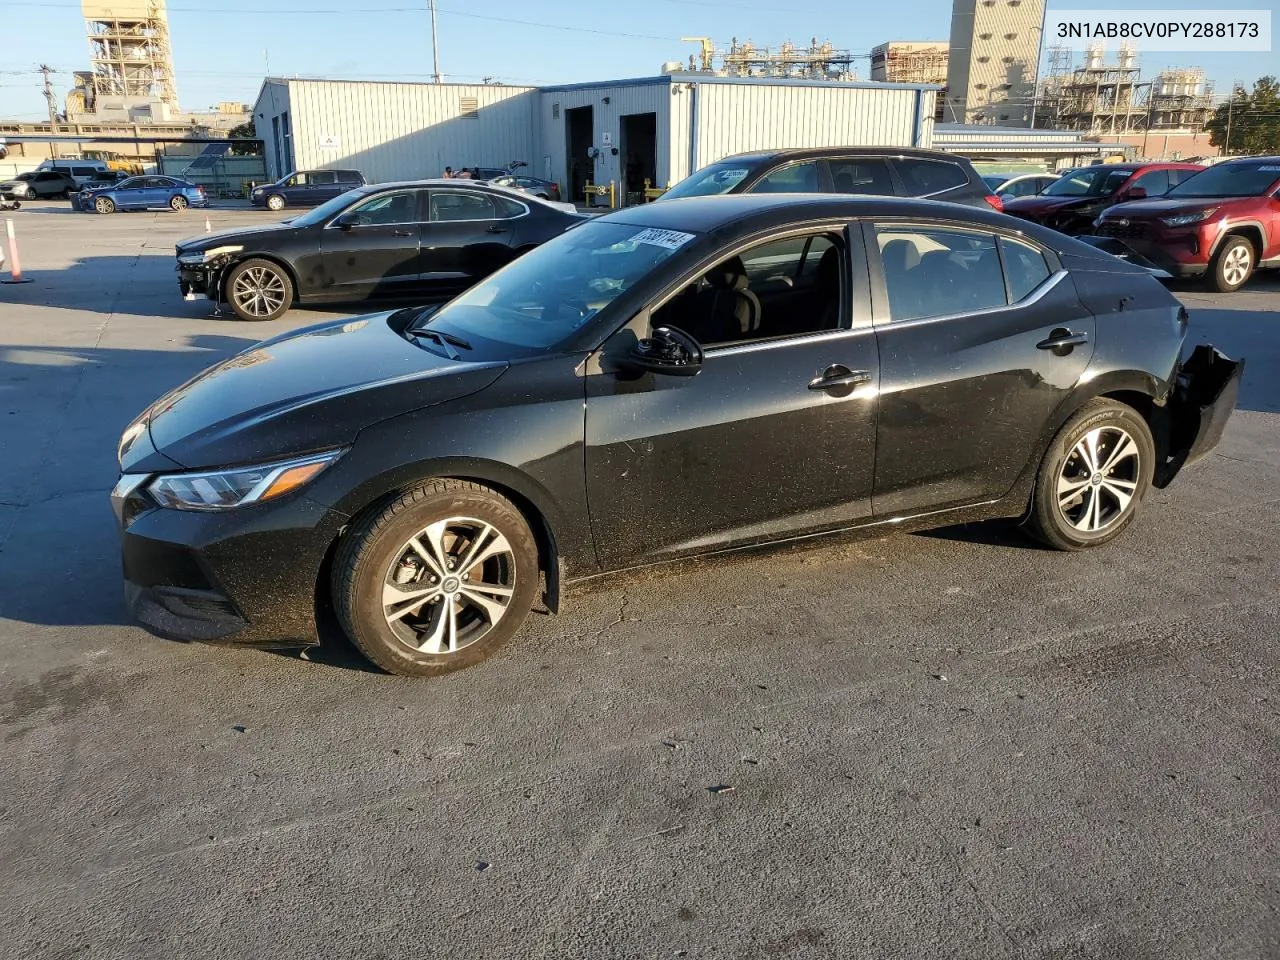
x=1231 y=266
x=178 y=202
x=1093 y=478
x=259 y=290
x=275 y=202
x=408 y=592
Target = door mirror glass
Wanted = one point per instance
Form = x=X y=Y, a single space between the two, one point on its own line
x=667 y=350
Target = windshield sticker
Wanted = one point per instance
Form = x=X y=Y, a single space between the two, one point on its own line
x=667 y=239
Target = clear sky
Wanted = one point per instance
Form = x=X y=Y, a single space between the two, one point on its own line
x=223 y=48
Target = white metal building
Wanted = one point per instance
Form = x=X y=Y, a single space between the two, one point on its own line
x=656 y=128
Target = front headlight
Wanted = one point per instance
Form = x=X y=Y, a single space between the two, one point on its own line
x=1186 y=219
x=197 y=257
x=235 y=487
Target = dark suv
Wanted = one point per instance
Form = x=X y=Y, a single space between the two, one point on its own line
x=1073 y=202
x=878 y=171
x=306 y=188
x=1222 y=224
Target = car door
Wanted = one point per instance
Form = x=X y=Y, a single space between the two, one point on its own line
x=775 y=434
x=324 y=186
x=297 y=190
x=160 y=191
x=981 y=336
x=132 y=193
x=373 y=247
x=467 y=236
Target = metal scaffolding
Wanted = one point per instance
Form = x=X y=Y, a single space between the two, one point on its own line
x=129 y=50
x=820 y=61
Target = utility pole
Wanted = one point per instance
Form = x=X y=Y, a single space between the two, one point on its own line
x=1151 y=103
x=50 y=97
x=1231 y=101
x=435 y=44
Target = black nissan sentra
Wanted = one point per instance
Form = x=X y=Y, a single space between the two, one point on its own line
x=668 y=380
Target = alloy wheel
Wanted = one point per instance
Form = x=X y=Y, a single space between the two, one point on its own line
x=258 y=291
x=179 y=202
x=1236 y=264
x=104 y=205
x=1099 y=479
x=449 y=585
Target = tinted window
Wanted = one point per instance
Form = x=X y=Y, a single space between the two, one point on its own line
x=162 y=182
x=507 y=208
x=349 y=176
x=1024 y=265
x=931 y=272
x=83 y=171
x=921 y=177
x=1089 y=182
x=1230 y=180
x=868 y=175
x=460 y=205
x=1155 y=182
x=782 y=288
x=324 y=176
x=388 y=208
x=133 y=183
x=794 y=178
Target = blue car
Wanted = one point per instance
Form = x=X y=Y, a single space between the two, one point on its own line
x=141 y=193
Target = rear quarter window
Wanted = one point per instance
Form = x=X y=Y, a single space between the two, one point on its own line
x=922 y=177
x=1025 y=268
x=349 y=176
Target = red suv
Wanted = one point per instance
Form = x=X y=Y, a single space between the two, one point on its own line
x=1221 y=224
x=1073 y=202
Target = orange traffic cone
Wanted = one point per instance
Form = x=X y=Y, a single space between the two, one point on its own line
x=15 y=265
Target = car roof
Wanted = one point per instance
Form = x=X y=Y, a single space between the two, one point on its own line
x=817 y=153
x=454 y=183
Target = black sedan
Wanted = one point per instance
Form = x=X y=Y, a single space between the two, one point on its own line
x=669 y=380
x=392 y=240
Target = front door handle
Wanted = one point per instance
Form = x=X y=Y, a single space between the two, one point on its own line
x=496 y=229
x=838 y=375
x=1063 y=340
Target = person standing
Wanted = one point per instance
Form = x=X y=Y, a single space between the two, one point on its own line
x=448 y=173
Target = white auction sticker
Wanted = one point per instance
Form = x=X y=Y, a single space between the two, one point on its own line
x=667 y=239
x=1203 y=31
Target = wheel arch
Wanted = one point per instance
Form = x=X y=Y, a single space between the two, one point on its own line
x=1251 y=230
x=533 y=501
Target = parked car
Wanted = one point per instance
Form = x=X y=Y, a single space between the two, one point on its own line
x=141 y=193
x=663 y=381
x=1007 y=186
x=306 y=188
x=82 y=171
x=39 y=185
x=1073 y=202
x=880 y=171
x=1222 y=224
x=543 y=189
x=434 y=237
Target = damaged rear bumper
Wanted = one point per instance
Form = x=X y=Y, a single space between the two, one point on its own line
x=1203 y=398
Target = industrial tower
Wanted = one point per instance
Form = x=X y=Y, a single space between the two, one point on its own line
x=129 y=49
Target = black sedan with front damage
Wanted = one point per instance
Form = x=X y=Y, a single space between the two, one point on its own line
x=391 y=240
x=670 y=380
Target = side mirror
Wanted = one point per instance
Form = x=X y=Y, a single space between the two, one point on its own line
x=667 y=350
x=346 y=221
x=1136 y=193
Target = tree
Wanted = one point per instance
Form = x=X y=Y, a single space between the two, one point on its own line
x=243 y=131
x=1248 y=123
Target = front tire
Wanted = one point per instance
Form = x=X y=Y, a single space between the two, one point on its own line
x=437 y=580
x=1232 y=265
x=275 y=202
x=259 y=290
x=104 y=205
x=178 y=202
x=1093 y=478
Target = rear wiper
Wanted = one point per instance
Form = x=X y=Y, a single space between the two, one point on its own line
x=446 y=340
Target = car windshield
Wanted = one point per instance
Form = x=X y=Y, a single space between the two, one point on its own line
x=1100 y=182
x=543 y=298
x=327 y=210
x=718 y=178
x=1229 y=180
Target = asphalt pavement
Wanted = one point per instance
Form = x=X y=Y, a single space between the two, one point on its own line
x=946 y=745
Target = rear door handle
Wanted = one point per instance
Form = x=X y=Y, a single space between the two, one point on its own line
x=402 y=233
x=496 y=229
x=838 y=375
x=1062 y=339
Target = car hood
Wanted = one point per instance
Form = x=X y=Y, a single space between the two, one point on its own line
x=312 y=389
x=207 y=241
x=1038 y=206
x=1171 y=207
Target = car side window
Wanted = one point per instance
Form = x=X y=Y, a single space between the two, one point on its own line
x=922 y=177
x=777 y=289
x=935 y=272
x=349 y=176
x=324 y=176
x=507 y=209
x=461 y=205
x=1155 y=182
x=1024 y=266
x=794 y=178
x=298 y=180
x=386 y=209
x=866 y=175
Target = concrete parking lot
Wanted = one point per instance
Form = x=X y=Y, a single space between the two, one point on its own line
x=950 y=745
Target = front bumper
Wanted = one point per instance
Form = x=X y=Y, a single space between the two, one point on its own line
x=199 y=280
x=246 y=576
x=1204 y=396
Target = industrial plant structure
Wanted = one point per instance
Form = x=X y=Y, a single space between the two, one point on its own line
x=994 y=61
x=819 y=61
x=129 y=52
x=910 y=61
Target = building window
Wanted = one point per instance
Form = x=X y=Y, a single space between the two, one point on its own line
x=1011 y=36
x=469 y=108
x=1015 y=3
x=984 y=59
x=984 y=36
x=979 y=86
x=555 y=111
